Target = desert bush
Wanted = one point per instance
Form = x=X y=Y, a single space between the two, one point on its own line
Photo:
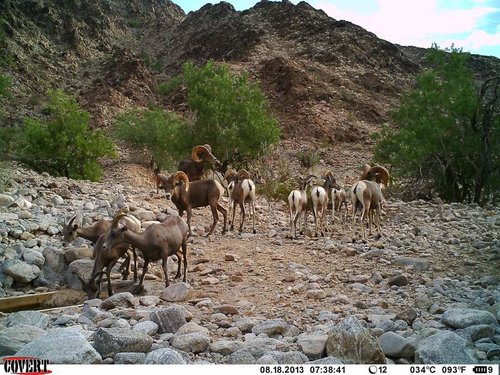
x=447 y=132
x=160 y=132
x=63 y=145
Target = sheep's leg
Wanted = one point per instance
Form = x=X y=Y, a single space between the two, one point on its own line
x=125 y=267
x=304 y=224
x=140 y=286
x=253 y=217
x=189 y=214
x=179 y=261
x=134 y=254
x=223 y=211
x=164 y=265
x=243 y=214
x=315 y=222
x=184 y=255
x=215 y=216
x=234 y=212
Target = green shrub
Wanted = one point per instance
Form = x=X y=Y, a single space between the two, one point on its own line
x=274 y=189
x=165 y=88
x=160 y=132
x=447 y=137
x=308 y=159
x=63 y=145
x=231 y=113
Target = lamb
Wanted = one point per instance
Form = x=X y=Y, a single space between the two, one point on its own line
x=230 y=177
x=187 y=195
x=339 y=199
x=158 y=241
x=297 y=203
x=319 y=199
x=195 y=166
x=243 y=192
x=71 y=231
x=367 y=195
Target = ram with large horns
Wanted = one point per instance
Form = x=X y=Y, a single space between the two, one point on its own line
x=200 y=156
x=377 y=173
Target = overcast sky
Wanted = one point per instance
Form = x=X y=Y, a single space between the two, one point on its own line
x=473 y=25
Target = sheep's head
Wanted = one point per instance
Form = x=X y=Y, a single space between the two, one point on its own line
x=176 y=180
x=378 y=174
x=69 y=231
x=114 y=234
x=230 y=175
x=206 y=154
x=330 y=181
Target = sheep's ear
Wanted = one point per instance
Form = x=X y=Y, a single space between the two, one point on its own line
x=75 y=226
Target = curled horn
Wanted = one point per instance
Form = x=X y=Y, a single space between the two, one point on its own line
x=379 y=174
x=206 y=152
x=70 y=222
x=118 y=216
x=181 y=176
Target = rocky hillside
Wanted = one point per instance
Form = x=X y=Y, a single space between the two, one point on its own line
x=327 y=80
x=430 y=282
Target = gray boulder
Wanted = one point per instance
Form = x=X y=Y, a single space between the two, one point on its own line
x=177 y=292
x=129 y=358
x=29 y=318
x=350 y=342
x=283 y=358
x=169 y=319
x=21 y=272
x=61 y=346
x=313 y=345
x=461 y=318
x=443 y=347
x=270 y=327
x=147 y=327
x=195 y=342
x=396 y=346
x=13 y=339
x=109 y=341
x=125 y=299
x=226 y=347
x=164 y=356
x=82 y=267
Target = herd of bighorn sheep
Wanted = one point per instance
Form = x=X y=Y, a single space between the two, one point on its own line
x=123 y=236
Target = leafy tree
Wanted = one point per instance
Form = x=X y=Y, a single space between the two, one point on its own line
x=64 y=145
x=445 y=131
x=231 y=113
x=161 y=132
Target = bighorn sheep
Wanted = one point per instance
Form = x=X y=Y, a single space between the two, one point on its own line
x=297 y=203
x=319 y=199
x=377 y=173
x=158 y=241
x=243 y=192
x=336 y=193
x=71 y=231
x=195 y=166
x=188 y=195
x=230 y=177
x=367 y=195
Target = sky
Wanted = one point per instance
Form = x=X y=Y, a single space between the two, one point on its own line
x=473 y=25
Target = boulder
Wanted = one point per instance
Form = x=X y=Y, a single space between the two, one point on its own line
x=441 y=348
x=28 y=318
x=164 y=356
x=61 y=346
x=461 y=318
x=350 y=342
x=14 y=338
x=169 y=319
x=109 y=341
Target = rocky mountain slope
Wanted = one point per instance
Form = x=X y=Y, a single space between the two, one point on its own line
x=331 y=77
